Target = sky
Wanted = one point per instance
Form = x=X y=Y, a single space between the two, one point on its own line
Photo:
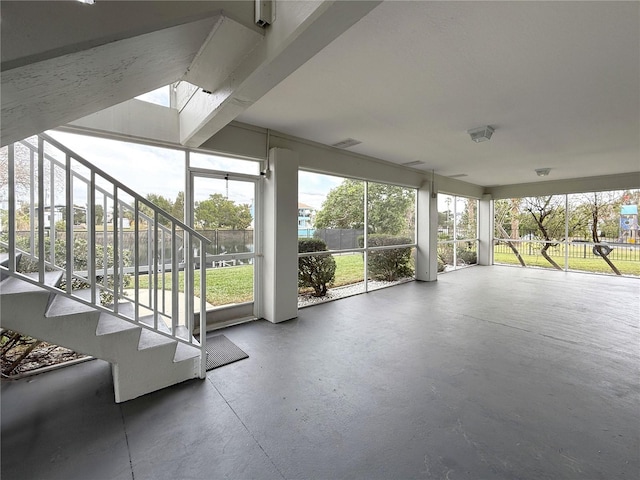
x=159 y=96
x=148 y=169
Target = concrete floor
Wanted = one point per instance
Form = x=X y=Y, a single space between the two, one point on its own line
x=490 y=373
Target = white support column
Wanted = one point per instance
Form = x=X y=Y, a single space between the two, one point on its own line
x=485 y=230
x=427 y=252
x=280 y=220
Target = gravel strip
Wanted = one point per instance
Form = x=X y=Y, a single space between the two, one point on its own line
x=346 y=291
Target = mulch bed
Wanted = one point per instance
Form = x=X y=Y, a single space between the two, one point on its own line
x=20 y=355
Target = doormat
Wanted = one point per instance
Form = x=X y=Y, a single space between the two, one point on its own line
x=222 y=351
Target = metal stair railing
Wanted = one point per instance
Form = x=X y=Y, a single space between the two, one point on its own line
x=166 y=254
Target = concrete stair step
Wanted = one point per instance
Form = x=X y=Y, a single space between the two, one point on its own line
x=142 y=360
x=186 y=352
x=150 y=340
x=64 y=306
x=110 y=324
x=14 y=285
x=4 y=261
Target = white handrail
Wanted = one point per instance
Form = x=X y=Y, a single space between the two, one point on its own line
x=107 y=271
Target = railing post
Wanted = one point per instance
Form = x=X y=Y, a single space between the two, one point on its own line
x=52 y=211
x=40 y=210
x=155 y=269
x=69 y=258
x=12 y=208
x=91 y=227
x=163 y=272
x=32 y=203
x=136 y=259
x=188 y=283
x=175 y=271
x=116 y=257
x=203 y=314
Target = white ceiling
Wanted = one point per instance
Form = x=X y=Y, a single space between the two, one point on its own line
x=559 y=81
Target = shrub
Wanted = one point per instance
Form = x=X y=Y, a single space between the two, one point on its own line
x=315 y=271
x=389 y=265
x=467 y=257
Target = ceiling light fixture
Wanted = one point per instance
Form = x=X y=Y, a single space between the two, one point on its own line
x=88 y=2
x=481 y=134
x=349 y=142
x=542 y=172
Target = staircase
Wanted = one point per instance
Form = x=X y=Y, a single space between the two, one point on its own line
x=144 y=329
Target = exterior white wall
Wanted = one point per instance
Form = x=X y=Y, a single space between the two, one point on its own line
x=485 y=230
x=280 y=237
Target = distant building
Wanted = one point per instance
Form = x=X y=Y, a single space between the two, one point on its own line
x=629 y=230
x=306 y=214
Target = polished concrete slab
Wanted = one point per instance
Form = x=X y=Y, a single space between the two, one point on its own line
x=489 y=373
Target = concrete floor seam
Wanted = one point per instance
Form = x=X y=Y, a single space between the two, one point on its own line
x=126 y=439
x=247 y=429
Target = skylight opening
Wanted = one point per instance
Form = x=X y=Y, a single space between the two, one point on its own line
x=159 y=96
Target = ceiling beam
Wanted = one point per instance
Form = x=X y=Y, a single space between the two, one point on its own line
x=46 y=94
x=301 y=30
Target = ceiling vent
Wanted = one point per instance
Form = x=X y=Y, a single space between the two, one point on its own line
x=458 y=175
x=481 y=134
x=349 y=142
x=415 y=163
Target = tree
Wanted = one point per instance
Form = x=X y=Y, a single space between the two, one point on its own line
x=503 y=210
x=173 y=208
x=598 y=207
x=548 y=216
x=177 y=210
x=389 y=208
x=217 y=212
x=99 y=215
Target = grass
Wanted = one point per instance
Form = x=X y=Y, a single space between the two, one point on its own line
x=235 y=284
x=595 y=265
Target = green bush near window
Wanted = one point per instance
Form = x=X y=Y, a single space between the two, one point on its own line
x=388 y=265
x=315 y=271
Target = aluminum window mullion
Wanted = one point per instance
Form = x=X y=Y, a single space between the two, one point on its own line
x=366 y=236
x=566 y=233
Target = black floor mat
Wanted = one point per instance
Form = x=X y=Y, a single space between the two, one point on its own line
x=222 y=351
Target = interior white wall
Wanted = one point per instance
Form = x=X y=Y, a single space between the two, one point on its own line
x=280 y=237
x=134 y=119
x=238 y=139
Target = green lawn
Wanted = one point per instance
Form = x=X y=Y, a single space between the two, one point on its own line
x=596 y=265
x=235 y=284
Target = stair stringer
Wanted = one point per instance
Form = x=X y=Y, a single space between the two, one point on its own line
x=142 y=361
